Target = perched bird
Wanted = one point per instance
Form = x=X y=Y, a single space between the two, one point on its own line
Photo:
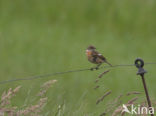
x=95 y=57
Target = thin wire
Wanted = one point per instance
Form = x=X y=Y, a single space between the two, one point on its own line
x=151 y=63
x=41 y=76
x=71 y=71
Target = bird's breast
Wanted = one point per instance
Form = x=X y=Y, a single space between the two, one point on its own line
x=88 y=52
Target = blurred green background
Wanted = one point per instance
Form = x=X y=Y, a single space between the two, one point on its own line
x=39 y=37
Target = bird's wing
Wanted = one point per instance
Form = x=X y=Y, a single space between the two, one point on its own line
x=100 y=57
x=97 y=54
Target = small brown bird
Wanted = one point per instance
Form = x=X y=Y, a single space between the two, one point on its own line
x=95 y=57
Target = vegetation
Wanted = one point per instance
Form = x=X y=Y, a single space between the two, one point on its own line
x=39 y=37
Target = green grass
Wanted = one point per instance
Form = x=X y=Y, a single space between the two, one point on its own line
x=39 y=37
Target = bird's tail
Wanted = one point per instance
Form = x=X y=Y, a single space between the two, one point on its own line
x=109 y=64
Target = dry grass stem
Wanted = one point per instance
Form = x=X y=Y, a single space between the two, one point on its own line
x=96 y=80
x=6 y=96
x=134 y=92
x=102 y=98
x=120 y=108
x=31 y=110
x=100 y=76
x=45 y=87
x=132 y=100
x=96 y=87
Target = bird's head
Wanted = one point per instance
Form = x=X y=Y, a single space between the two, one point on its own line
x=91 y=47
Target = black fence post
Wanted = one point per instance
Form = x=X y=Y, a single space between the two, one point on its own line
x=139 y=63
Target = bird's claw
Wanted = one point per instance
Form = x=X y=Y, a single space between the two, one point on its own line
x=94 y=68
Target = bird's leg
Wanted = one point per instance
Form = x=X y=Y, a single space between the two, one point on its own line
x=92 y=68
x=97 y=67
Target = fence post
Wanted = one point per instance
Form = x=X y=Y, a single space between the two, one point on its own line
x=139 y=63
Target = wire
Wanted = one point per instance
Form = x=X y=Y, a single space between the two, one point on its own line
x=151 y=63
x=41 y=76
x=71 y=71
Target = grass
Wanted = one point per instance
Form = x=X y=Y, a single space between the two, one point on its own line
x=38 y=37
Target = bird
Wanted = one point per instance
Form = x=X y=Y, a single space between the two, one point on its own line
x=95 y=57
